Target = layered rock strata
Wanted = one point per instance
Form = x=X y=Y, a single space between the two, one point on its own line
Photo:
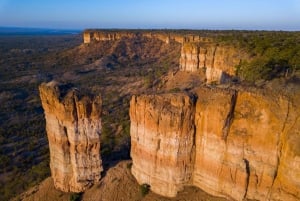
x=104 y=35
x=218 y=61
x=73 y=125
x=162 y=132
x=239 y=145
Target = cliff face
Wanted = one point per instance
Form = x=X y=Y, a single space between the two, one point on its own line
x=286 y=185
x=73 y=127
x=162 y=141
x=89 y=36
x=197 y=52
x=100 y=35
x=238 y=139
x=219 y=61
x=240 y=144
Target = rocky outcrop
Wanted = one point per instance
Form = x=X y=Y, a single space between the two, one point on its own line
x=197 y=52
x=73 y=127
x=287 y=178
x=237 y=144
x=112 y=35
x=90 y=35
x=162 y=132
x=218 y=61
x=238 y=137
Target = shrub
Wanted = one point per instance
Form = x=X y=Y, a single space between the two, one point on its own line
x=144 y=188
x=75 y=197
x=129 y=165
x=174 y=90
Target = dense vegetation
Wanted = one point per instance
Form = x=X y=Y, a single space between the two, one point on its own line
x=272 y=54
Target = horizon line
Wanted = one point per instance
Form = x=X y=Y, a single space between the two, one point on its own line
x=139 y=28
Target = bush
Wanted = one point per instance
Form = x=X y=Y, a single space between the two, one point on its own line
x=129 y=165
x=175 y=90
x=144 y=188
x=75 y=197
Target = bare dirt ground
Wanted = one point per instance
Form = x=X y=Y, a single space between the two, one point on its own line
x=117 y=185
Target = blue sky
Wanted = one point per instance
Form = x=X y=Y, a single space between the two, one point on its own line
x=190 y=14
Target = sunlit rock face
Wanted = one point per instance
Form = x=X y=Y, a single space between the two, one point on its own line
x=73 y=125
x=238 y=147
x=234 y=144
x=219 y=62
x=213 y=118
x=287 y=183
x=94 y=35
x=162 y=132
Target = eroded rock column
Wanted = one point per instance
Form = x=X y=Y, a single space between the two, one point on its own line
x=162 y=133
x=73 y=125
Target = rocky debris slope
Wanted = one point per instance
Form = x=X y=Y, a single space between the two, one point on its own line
x=234 y=144
x=73 y=125
x=117 y=184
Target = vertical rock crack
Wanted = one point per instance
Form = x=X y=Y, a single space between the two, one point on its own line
x=230 y=116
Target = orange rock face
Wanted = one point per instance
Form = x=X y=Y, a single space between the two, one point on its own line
x=162 y=141
x=73 y=127
x=219 y=61
x=240 y=144
x=94 y=35
x=102 y=35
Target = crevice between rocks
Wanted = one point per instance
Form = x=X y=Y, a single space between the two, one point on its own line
x=213 y=57
x=198 y=58
x=247 y=166
x=193 y=98
x=75 y=112
x=230 y=116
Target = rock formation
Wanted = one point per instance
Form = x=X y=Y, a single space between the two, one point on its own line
x=218 y=61
x=234 y=144
x=112 y=35
x=197 y=52
x=162 y=141
x=73 y=127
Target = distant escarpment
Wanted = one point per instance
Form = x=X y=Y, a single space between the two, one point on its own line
x=236 y=144
x=203 y=53
x=73 y=125
x=165 y=36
